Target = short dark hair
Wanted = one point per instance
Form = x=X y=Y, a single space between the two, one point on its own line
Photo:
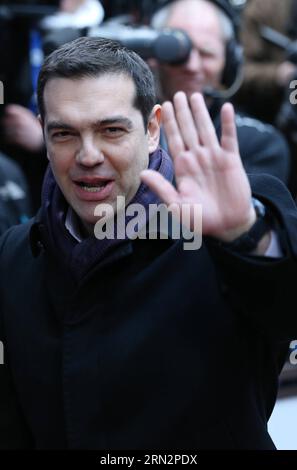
x=92 y=57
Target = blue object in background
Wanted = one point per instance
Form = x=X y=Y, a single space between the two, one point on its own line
x=36 y=57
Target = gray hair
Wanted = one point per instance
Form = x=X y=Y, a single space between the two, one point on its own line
x=160 y=18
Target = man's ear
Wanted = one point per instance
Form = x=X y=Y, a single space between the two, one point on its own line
x=153 y=128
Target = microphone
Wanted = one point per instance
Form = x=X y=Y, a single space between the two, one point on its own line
x=281 y=41
x=275 y=37
x=229 y=92
x=8 y=11
x=232 y=89
x=172 y=46
x=57 y=38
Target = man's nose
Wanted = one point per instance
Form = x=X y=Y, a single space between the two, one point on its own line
x=90 y=153
x=194 y=61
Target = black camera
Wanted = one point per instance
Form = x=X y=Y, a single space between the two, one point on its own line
x=171 y=46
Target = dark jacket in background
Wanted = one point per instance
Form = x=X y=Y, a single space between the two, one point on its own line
x=14 y=198
x=155 y=347
x=262 y=148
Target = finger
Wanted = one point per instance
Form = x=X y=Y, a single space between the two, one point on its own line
x=229 y=140
x=174 y=140
x=185 y=120
x=205 y=127
x=160 y=186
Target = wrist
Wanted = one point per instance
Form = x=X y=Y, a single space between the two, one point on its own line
x=231 y=235
x=256 y=238
x=263 y=245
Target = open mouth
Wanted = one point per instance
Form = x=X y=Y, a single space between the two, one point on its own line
x=92 y=187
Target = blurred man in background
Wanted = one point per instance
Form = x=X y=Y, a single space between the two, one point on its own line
x=214 y=68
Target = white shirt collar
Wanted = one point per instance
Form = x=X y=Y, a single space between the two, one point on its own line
x=71 y=224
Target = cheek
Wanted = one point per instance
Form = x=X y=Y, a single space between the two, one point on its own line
x=120 y=162
x=214 y=68
x=125 y=157
x=131 y=161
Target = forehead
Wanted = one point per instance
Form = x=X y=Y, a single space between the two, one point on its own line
x=198 y=19
x=89 y=97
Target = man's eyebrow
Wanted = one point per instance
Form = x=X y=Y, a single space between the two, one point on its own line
x=115 y=120
x=57 y=125
x=102 y=122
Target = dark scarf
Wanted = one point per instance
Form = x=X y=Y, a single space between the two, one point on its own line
x=79 y=257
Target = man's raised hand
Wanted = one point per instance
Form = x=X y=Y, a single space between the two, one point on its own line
x=207 y=172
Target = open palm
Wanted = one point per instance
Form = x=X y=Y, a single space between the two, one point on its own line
x=207 y=172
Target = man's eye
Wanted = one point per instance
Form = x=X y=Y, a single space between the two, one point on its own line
x=114 y=130
x=61 y=134
x=206 y=53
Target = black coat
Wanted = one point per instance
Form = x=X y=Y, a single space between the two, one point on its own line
x=155 y=348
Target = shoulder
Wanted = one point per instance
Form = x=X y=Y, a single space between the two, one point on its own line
x=15 y=243
x=262 y=147
x=251 y=125
x=9 y=168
